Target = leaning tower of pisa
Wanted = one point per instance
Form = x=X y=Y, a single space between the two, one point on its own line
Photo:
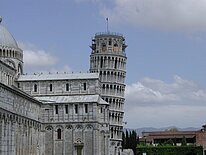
x=108 y=57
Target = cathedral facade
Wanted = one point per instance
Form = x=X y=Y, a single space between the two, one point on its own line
x=63 y=114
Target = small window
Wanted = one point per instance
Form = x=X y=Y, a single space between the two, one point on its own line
x=35 y=87
x=56 y=109
x=85 y=86
x=76 y=109
x=67 y=87
x=101 y=64
x=101 y=110
x=18 y=85
x=50 y=87
x=59 y=134
x=110 y=42
x=86 y=108
x=66 y=109
x=103 y=47
x=115 y=64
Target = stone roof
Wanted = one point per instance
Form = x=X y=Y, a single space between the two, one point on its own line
x=6 y=39
x=66 y=76
x=72 y=99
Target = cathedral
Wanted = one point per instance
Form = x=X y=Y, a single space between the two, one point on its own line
x=63 y=113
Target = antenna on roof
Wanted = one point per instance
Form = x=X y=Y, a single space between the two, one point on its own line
x=107 y=19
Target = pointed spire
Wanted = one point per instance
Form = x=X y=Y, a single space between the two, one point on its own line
x=107 y=19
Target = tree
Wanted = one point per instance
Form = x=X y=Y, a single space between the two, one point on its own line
x=172 y=130
x=134 y=141
x=130 y=140
x=126 y=140
x=169 y=142
x=184 y=141
x=123 y=140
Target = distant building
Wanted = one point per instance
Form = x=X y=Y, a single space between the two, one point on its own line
x=197 y=138
x=63 y=114
x=162 y=137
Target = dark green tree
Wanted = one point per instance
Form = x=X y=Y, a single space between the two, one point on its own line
x=184 y=141
x=123 y=140
x=126 y=140
x=169 y=142
x=172 y=130
x=134 y=141
x=130 y=140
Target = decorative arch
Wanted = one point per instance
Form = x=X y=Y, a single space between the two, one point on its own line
x=59 y=133
x=48 y=128
x=59 y=127
x=69 y=127
x=78 y=141
x=79 y=127
x=89 y=127
x=20 y=68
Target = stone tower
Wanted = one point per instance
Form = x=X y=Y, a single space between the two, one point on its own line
x=10 y=53
x=108 y=57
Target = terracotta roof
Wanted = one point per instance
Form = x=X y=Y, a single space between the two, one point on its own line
x=167 y=135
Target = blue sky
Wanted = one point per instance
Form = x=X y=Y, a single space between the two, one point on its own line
x=166 y=50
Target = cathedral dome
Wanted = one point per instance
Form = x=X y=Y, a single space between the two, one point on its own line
x=6 y=39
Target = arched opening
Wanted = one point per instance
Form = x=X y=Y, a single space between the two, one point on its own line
x=110 y=101
x=110 y=41
x=85 y=86
x=4 y=54
x=115 y=64
x=67 y=87
x=50 y=87
x=115 y=47
x=103 y=47
x=101 y=63
x=35 y=87
x=59 y=134
x=112 y=132
x=20 y=69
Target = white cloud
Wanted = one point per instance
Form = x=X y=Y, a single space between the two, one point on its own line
x=150 y=91
x=176 y=15
x=64 y=69
x=152 y=102
x=164 y=116
x=34 y=57
x=41 y=61
x=137 y=92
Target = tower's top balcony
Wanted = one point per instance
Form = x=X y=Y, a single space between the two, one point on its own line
x=109 y=34
x=108 y=43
